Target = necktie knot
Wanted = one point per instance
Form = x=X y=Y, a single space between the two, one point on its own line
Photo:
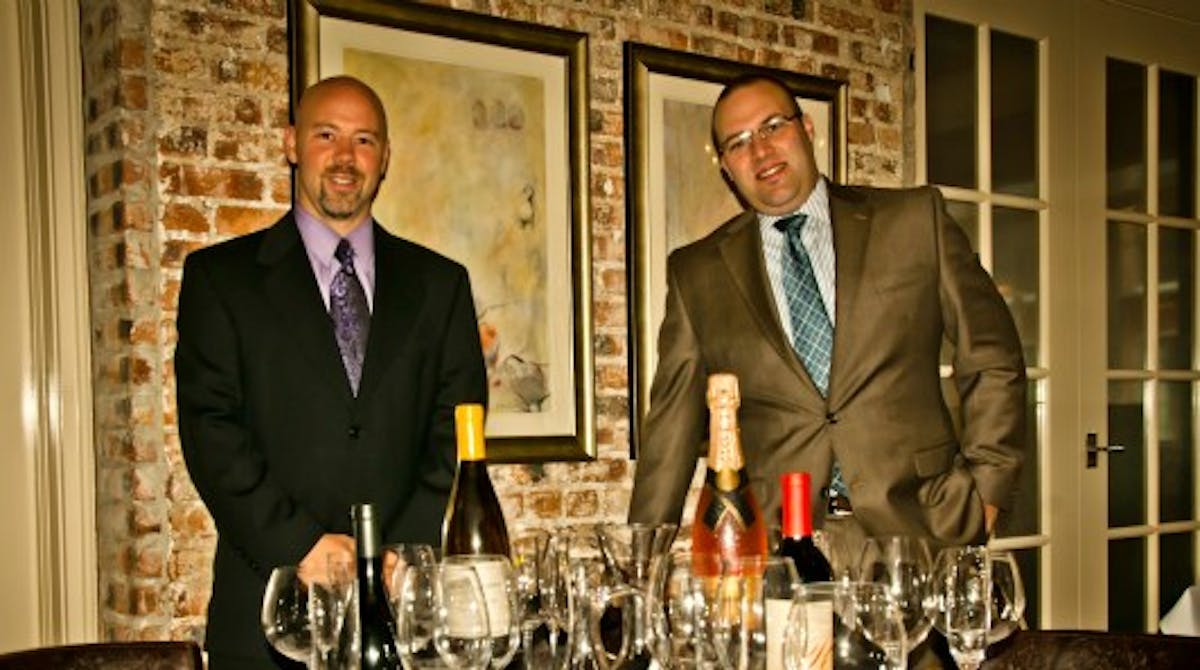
x=345 y=255
x=792 y=225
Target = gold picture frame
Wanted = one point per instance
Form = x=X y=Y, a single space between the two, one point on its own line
x=488 y=127
x=668 y=104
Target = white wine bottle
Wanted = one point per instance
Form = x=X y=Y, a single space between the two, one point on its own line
x=474 y=522
x=376 y=627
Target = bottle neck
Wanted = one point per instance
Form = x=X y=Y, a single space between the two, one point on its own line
x=797 y=509
x=366 y=531
x=724 y=442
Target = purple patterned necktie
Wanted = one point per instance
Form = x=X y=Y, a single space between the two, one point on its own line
x=351 y=315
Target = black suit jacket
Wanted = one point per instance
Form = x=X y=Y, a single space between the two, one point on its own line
x=275 y=441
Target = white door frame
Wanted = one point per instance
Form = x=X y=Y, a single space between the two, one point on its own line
x=51 y=317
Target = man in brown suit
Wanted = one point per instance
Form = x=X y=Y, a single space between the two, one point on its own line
x=895 y=275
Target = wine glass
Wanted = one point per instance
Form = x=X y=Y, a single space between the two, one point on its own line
x=964 y=589
x=1008 y=596
x=879 y=617
x=903 y=566
x=683 y=607
x=534 y=573
x=495 y=575
x=417 y=611
x=754 y=595
x=462 y=631
x=284 y=614
x=794 y=648
x=330 y=611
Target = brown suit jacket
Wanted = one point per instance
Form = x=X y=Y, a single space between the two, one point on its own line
x=906 y=278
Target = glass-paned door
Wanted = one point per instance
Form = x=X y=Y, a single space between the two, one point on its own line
x=984 y=146
x=1150 y=257
x=1139 y=247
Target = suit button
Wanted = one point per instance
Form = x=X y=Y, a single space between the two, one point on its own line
x=352 y=432
x=831 y=417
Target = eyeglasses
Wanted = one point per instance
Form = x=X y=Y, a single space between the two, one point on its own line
x=739 y=144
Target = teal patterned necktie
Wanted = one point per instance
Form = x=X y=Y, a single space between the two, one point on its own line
x=350 y=313
x=812 y=332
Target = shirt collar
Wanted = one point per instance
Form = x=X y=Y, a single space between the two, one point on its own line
x=815 y=207
x=321 y=241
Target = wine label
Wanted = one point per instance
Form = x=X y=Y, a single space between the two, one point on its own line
x=777 y=620
x=494 y=580
x=819 y=654
x=458 y=596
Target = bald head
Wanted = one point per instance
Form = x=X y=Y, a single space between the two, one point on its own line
x=339 y=146
x=337 y=87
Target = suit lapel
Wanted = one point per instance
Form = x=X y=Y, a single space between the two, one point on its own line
x=291 y=287
x=742 y=252
x=851 y=219
x=399 y=292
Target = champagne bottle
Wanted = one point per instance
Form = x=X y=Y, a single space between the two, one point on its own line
x=729 y=521
x=376 y=627
x=797 y=543
x=474 y=522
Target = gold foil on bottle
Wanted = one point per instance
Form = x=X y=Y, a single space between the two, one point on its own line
x=724 y=445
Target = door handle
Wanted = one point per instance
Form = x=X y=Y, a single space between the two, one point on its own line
x=1092 y=447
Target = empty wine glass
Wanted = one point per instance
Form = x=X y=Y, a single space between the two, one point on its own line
x=500 y=594
x=417 y=616
x=683 y=607
x=284 y=614
x=329 y=611
x=878 y=616
x=1008 y=596
x=754 y=595
x=536 y=576
x=462 y=629
x=793 y=651
x=903 y=566
x=964 y=590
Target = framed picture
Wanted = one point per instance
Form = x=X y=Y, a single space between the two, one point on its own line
x=487 y=120
x=669 y=98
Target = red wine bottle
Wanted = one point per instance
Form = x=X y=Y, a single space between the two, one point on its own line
x=729 y=521
x=377 y=628
x=797 y=543
x=474 y=522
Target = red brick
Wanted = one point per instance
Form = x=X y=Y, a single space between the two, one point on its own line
x=131 y=53
x=185 y=141
x=242 y=220
x=174 y=251
x=824 y=43
x=844 y=19
x=581 y=504
x=184 y=217
x=545 y=504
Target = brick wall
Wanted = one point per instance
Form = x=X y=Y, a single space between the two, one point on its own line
x=186 y=104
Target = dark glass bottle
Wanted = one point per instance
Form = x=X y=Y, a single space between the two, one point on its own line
x=729 y=521
x=474 y=522
x=797 y=543
x=377 y=628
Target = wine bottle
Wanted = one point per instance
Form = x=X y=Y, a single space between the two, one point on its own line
x=729 y=521
x=797 y=543
x=811 y=565
x=376 y=627
x=474 y=522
